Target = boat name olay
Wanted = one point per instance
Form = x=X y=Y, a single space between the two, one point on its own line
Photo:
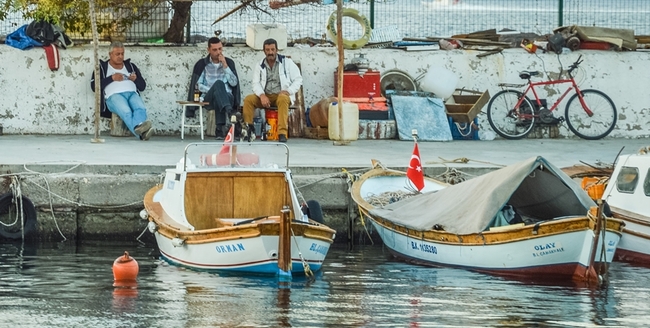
x=230 y=248
x=424 y=248
x=318 y=249
x=547 y=249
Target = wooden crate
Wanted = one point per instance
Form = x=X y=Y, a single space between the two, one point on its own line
x=464 y=105
x=316 y=133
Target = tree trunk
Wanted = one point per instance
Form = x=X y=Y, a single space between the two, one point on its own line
x=177 y=26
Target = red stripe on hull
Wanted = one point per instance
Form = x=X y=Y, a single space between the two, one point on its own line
x=624 y=255
x=565 y=271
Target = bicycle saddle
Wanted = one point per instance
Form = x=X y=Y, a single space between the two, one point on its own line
x=527 y=74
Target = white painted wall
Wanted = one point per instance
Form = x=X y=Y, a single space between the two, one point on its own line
x=35 y=100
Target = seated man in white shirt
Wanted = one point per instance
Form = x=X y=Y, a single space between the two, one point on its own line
x=121 y=82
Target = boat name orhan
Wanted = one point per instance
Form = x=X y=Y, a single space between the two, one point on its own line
x=424 y=248
x=230 y=248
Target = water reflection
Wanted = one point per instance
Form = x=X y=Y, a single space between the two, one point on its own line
x=54 y=285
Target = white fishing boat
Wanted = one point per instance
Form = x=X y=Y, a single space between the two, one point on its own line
x=237 y=211
x=526 y=220
x=628 y=196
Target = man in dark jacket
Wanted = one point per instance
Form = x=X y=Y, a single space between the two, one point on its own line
x=217 y=80
x=121 y=82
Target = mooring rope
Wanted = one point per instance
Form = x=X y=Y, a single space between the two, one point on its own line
x=351 y=178
x=305 y=265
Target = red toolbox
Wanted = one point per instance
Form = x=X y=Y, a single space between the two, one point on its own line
x=358 y=85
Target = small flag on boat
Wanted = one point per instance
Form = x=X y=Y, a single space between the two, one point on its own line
x=415 y=172
x=231 y=135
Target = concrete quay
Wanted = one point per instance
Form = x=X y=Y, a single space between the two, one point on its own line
x=94 y=190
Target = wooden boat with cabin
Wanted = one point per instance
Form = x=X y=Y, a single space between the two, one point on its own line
x=237 y=212
x=627 y=193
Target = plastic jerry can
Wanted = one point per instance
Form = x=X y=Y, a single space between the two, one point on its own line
x=272 y=121
x=350 y=122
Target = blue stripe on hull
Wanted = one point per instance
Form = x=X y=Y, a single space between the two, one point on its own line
x=265 y=268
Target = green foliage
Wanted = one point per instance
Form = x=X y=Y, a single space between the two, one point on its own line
x=73 y=15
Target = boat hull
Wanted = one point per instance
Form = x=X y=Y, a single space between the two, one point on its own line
x=554 y=256
x=633 y=247
x=257 y=255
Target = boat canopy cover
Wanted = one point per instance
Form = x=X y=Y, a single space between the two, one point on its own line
x=534 y=187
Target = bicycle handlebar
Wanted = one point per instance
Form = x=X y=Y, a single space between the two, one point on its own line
x=575 y=64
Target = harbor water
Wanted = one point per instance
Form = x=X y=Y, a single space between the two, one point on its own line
x=71 y=285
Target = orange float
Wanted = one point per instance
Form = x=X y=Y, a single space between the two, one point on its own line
x=125 y=271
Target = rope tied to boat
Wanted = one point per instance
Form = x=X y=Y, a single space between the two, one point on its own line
x=305 y=265
x=454 y=176
x=351 y=178
x=18 y=200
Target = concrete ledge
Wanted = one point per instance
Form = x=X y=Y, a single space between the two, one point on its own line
x=104 y=206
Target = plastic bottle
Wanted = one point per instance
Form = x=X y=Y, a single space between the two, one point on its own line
x=350 y=122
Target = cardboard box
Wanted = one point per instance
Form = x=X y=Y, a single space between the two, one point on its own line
x=463 y=108
x=257 y=33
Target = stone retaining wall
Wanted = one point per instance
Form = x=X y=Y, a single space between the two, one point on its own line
x=35 y=100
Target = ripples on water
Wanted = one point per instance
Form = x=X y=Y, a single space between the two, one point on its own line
x=67 y=285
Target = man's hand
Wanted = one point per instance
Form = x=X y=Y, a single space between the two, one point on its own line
x=222 y=60
x=122 y=77
x=266 y=103
x=118 y=77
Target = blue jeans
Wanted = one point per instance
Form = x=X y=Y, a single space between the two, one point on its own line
x=129 y=107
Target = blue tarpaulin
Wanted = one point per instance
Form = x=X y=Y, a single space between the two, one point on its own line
x=425 y=114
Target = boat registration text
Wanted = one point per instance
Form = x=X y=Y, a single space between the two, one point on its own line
x=318 y=249
x=547 y=249
x=424 y=248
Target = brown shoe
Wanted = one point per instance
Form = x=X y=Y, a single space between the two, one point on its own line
x=142 y=128
x=147 y=135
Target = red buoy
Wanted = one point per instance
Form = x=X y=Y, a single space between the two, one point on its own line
x=125 y=271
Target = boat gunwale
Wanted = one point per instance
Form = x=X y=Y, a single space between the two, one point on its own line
x=311 y=229
x=487 y=238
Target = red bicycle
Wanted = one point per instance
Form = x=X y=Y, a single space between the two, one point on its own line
x=590 y=114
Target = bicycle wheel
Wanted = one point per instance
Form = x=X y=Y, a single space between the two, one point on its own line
x=508 y=121
x=599 y=124
x=396 y=80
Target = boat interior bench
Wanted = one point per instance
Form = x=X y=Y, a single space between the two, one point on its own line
x=213 y=195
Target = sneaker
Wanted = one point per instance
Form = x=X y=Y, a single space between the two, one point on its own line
x=147 y=135
x=142 y=128
x=282 y=138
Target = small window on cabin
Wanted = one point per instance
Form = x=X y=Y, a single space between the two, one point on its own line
x=646 y=184
x=627 y=179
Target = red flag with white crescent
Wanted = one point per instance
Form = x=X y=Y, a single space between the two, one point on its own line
x=231 y=135
x=415 y=172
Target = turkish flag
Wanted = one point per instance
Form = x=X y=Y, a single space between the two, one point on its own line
x=231 y=135
x=414 y=172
